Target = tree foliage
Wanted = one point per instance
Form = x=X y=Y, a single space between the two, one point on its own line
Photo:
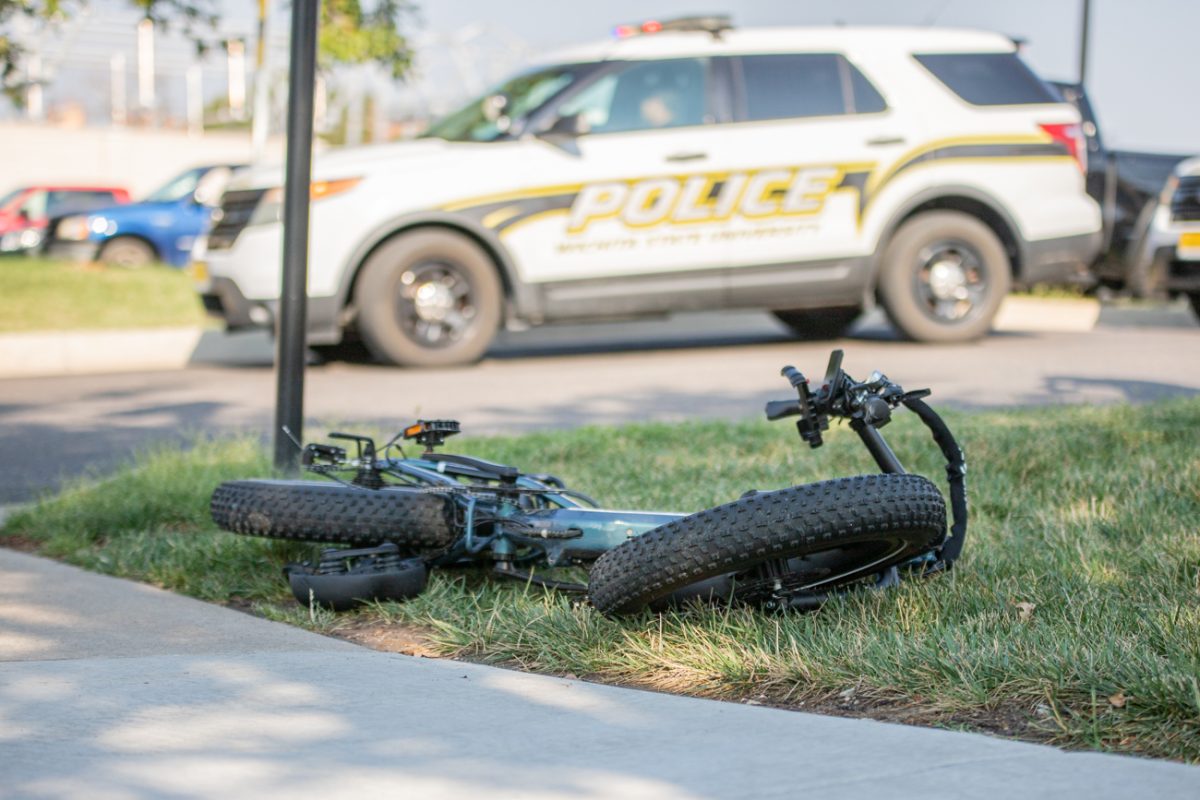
x=351 y=32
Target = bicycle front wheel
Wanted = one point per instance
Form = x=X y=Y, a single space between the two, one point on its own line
x=315 y=511
x=815 y=537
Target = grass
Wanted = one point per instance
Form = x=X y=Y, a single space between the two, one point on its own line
x=1073 y=617
x=44 y=295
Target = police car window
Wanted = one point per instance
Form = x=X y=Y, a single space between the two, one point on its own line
x=988 y=79
x=643 y=96
x=867 y=99
x=792 y=85
x=524 y=94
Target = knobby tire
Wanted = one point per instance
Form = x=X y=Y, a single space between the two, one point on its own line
x=788 y=523
x=312 y=511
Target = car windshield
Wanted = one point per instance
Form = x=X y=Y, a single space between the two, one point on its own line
x=7 y=199
x=177 y=188
x=524 y=94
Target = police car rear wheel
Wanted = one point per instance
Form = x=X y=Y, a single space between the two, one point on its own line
x=428 y=299
x=822 y=323
x=944 y=276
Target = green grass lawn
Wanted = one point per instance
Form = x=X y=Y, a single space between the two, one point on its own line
x=1073 y=616
x=45 y=295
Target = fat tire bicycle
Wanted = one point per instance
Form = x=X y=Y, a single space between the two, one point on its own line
x=401 y=515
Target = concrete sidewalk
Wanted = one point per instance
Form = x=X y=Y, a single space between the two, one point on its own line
x=111 y=689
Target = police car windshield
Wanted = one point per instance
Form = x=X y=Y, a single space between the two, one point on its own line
x=482 y=120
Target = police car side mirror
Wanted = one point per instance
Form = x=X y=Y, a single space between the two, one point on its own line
x=567 y=127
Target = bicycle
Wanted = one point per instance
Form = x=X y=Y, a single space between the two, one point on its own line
x=788 y=548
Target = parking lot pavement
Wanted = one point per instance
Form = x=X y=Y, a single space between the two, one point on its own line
x=115 y=689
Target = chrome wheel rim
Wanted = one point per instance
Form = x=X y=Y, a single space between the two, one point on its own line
x=436 y=304
x=951 y=284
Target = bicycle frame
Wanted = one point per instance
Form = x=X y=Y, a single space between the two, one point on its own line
x=564 y=531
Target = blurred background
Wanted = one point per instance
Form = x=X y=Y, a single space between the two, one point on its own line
x=106 y=90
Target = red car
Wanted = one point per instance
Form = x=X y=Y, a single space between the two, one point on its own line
x=25 y=211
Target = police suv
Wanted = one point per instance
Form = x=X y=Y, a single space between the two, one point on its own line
x=680 y=166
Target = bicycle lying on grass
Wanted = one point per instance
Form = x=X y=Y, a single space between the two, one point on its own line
x=788 y=548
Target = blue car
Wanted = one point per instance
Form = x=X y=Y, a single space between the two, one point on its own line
x=162 y=227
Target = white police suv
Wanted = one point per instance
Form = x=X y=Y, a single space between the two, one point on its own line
x=687 y=165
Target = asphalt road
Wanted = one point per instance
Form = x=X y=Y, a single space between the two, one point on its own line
x=701 y=365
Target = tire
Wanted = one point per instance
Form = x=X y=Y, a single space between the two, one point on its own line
x=888 y=518
x=943 y=277
x=311 y=511
x=428 y=299
x=824 y=323
x=1194 y=300
x=125 y=251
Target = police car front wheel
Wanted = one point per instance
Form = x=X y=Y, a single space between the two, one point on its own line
x=943 y=277
x=429 y=298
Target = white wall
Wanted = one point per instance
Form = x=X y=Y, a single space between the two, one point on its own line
x=140 y=160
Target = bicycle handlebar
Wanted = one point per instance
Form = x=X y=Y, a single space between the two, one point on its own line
x=868 y=406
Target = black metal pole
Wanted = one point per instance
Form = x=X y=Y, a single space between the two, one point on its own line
x=293 y=312
x=1084 y=30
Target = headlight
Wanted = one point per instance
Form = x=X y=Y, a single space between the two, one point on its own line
x=73 y=229
x=30 y=238
x=101 y=226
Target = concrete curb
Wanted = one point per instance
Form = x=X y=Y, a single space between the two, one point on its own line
x=1045 y=314
x=40 y=354
x=81 y=352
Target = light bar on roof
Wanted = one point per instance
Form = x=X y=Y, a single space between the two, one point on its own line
x=714 y=25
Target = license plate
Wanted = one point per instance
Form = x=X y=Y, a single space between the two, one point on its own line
x=199 y=271
x=1189 y=241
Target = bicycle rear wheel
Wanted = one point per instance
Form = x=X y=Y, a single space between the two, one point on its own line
x=314 y=511
x=814 y=537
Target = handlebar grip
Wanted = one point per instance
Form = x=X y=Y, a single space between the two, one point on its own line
x=794 y=376
x=778 y=409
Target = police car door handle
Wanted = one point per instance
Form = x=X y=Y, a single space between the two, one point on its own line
x=882 y=141
x=687 y=157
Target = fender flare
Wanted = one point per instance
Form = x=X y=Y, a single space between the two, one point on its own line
x=1015 y=239
x=521 y=301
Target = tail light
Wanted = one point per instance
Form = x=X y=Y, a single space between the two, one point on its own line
x=1069 y=135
